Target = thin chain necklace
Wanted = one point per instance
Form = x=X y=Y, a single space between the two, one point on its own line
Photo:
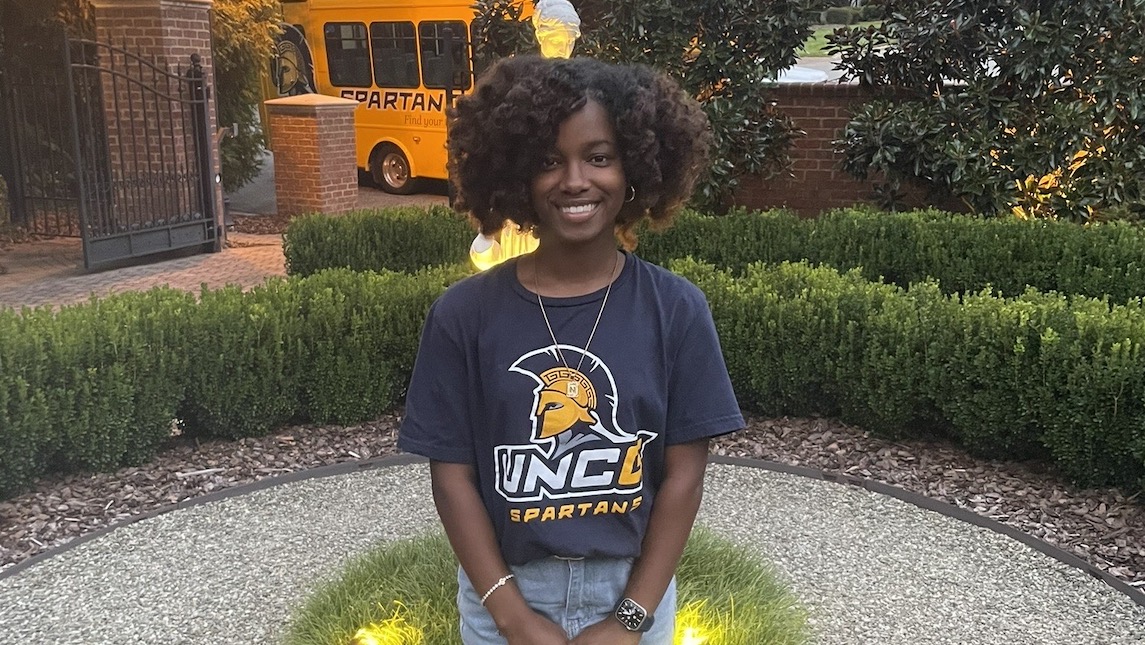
x=556 y=345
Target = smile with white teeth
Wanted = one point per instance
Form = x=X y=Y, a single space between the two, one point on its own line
x=578 y=209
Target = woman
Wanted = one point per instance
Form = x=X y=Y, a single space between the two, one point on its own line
x=565 y=399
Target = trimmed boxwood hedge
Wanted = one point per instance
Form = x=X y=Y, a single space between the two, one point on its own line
x=394 y=239
x=1038 y=375
x=97 y=385
x=960 y=253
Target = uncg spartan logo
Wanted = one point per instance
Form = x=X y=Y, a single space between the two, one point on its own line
x=577 y=450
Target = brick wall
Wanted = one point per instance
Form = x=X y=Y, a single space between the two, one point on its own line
x=818 y=181
x=315 y=167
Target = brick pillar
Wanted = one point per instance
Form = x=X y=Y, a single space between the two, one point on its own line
x=167 y=31
x=315 y=168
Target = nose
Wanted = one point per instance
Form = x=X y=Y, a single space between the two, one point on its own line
x=574 y=180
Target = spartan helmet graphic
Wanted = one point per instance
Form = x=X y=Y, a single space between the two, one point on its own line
x=567 y=396
x=570 y=406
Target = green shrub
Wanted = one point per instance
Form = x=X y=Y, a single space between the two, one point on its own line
x=94 y=386
x=396 y=239
x=336 y=346
x=1038 y=375
x=870 y=12
x=26 y=427
x=243 y=33
x=98 y=385
x=1007 y=372
x=1023 y=107
x=1093 y=419
x=963 y=254
x=360 y=335
x=247 y=360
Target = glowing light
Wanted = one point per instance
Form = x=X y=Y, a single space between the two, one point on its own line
x=697 y=624
x=558 y=26
x=692 y=636
x=390 y=631
x=489 y=251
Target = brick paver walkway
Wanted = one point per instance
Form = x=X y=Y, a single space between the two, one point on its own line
x=50 y=272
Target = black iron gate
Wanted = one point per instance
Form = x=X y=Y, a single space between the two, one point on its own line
x=112 y=147
x=40 y=167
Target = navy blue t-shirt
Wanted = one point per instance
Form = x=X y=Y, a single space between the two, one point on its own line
x=568 y=458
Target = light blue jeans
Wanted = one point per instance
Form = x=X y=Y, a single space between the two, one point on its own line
x=572 y=593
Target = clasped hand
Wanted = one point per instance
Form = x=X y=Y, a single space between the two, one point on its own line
x=541 y=631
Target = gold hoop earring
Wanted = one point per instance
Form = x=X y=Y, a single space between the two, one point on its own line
x=631 y=194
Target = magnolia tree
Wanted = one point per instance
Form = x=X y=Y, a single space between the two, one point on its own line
x=720 y=51
x=1027 y=107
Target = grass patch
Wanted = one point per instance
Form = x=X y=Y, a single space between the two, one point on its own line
x=405 y=592
x=816 y=44
x=408 y=586
x=729 y=595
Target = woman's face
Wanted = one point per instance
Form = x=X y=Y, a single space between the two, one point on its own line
x=580 y=188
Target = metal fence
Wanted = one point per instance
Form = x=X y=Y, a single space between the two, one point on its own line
x=110 y=146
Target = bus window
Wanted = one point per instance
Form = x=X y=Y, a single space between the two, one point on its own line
x=395 y=54
x=347 y=54
x=432 y=35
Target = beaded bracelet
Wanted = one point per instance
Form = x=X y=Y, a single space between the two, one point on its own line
x=497 y=585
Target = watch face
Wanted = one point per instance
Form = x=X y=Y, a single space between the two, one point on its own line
x=630 y=614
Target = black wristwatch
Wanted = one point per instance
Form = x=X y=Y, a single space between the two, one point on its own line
x=634 y=617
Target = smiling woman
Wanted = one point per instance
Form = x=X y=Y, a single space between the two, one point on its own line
x=566 y=398
x=503 y=133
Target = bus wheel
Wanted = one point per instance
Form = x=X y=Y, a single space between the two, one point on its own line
x=390 y=169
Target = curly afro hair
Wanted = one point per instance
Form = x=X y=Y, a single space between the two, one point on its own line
x=500 y=134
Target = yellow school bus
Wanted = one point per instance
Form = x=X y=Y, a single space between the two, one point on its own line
x=390 y=56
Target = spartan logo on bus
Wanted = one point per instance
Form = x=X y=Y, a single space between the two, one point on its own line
x=576 y=448
x=292 y=67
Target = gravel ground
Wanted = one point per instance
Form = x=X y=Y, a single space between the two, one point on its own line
x=219 y=573
x=870 y=568
x=1104 y=527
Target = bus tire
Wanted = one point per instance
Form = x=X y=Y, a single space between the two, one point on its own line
x=391 y=170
